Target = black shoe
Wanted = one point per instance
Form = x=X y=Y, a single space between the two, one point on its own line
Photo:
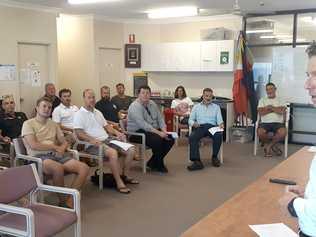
x=216 y=162
x=162 y=169
x=196 y=165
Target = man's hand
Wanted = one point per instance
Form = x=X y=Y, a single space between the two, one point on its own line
x=296 y=189
x=269 y=108
x=6 y=140
x=196 y=125
x=163 y=134
x=121 y=136
x=60 y=150
x=95 y=142
x=222 y=126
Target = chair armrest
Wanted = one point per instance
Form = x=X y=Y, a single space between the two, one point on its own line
x=29 y=216
x=33 y=159
x=54 y=189
x=137 y=134
x=74 y=152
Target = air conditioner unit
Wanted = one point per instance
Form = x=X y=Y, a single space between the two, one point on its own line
x=216 y=34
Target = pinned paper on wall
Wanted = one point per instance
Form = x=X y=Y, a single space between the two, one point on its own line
x=36 y=78
x=7 y=72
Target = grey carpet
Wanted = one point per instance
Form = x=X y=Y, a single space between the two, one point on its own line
x=167 y=205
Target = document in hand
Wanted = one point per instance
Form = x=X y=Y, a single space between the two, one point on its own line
x=125 y=146
x=174 y=135
x=312 y=149
x=271 y=230
x=214 y=130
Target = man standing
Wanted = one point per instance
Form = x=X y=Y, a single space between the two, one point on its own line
x=204 y=116
x=64 y=113
x=91 y=126
x=44 y=139
x=10 y=121
x=108 y=109
x=50 y=92
x=299 y=201
x=121 y=100
x=144 y=117
x=272 y=112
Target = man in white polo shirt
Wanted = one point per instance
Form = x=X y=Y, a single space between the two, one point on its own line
x=91 y=126
x=64 y=113
x=271 y=109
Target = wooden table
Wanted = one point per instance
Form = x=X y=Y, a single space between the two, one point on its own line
x=256 y=204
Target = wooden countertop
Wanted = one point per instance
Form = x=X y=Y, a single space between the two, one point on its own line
x=256 y=204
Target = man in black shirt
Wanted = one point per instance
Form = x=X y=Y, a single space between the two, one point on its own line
x=10 y=121
x=50 y=92
x=108 y=109
x=121 y=100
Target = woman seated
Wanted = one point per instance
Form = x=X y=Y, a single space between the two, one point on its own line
x=182 y=105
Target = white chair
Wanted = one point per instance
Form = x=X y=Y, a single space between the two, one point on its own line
x=179 y=128
x=36 y=219
x=21 y=154
x=8 y=155
x=221 y=156
x=98 y=157
x=286 y=117
x=141 y=145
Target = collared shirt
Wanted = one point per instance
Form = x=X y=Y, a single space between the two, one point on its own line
x=108 y=109
x=206 y=114
x=11 y=126
x=45 y=133
x=306 y=207
x=92 y=123
x=271 y=117
x=65 y=115
x=144 y=117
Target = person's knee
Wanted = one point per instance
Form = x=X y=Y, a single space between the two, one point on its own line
x=261 y=132
x=111 y=154
x=83 y=169
x=58 y=170
x=281 y=132
x=131 y=152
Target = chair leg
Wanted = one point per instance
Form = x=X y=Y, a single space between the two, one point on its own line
x=143 y=151
x=286 y=146
x=77 y=230
x=101 y=173
x=255 y=145
x=221 y=155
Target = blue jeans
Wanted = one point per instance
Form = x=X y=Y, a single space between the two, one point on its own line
x=195 y=137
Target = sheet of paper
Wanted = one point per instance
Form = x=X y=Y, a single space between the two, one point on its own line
x=272 y=230
x=174 y=135
x=312 y=149
x=7 y=72
x=125 y=146
x=214 y=130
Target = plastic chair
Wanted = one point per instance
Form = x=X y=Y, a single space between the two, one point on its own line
x=179 y=128
x=286 y=117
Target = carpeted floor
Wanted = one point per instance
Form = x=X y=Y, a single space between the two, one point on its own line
x=167 y=205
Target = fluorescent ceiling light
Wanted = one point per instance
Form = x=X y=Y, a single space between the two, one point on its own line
x=88 y=1
x=172 y=12
x=275 y=36
x=258 y=31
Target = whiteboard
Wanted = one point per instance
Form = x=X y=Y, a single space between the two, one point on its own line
x=289 y=74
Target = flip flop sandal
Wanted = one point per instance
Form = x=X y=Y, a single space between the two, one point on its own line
x=123 y=190
x=277 y=150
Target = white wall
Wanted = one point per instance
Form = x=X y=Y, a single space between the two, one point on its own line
x=27 y=26
x=182 y=32
x=76 y=54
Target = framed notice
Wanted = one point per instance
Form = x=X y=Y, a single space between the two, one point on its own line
x=132 y=55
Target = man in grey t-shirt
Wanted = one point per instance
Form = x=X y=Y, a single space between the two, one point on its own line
x=144 y=117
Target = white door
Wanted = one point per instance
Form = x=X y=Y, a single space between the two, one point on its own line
x=110 y=68
x=33 y=74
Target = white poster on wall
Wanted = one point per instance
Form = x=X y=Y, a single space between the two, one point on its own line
x=7 y=72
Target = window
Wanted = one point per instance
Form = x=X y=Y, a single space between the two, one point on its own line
x=306 y=27
x=276 y=29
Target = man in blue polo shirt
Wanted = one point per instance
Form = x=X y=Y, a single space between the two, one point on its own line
x=204 y=116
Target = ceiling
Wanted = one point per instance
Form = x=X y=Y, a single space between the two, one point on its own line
x=135 y=9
